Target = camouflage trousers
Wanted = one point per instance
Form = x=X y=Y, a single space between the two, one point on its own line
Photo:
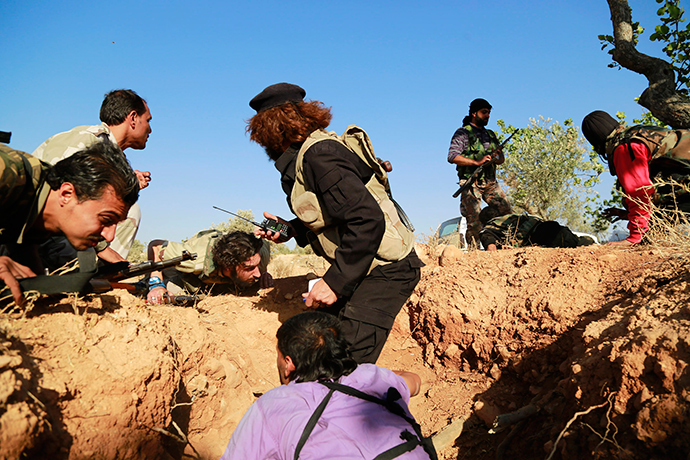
x=471 y=201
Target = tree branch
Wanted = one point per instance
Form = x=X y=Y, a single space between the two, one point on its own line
x=660 y=97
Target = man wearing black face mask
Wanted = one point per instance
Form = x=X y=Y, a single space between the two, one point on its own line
x=472 y=146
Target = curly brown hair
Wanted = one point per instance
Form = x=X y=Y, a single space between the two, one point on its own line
x=232 y=249
x=291 y=122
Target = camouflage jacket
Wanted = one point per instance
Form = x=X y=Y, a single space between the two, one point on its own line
x=474 y=143
x=63 y=145
x=669 y=151
x=23 y=192
x=509 y=230
x=202 y=268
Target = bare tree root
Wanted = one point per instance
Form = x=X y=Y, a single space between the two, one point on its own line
x=572 y=420
x=610 y=426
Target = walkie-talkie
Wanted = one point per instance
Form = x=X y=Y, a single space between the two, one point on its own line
x=268 y=225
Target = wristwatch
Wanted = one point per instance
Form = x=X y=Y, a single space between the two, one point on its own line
x=155 y=282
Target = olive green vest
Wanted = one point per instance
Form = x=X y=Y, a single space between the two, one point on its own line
x=476 y=151
x=398 y=240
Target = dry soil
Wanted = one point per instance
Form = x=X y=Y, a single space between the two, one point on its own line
x=593 y=343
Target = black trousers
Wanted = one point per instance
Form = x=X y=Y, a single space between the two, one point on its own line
x=367 y=317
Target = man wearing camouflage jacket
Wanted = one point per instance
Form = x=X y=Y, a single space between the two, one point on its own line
x=472 y=146
x=82 y=198
x=125 y=120
x=652 y=165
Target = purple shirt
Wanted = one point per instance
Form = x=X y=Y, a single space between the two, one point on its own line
x=349 y=428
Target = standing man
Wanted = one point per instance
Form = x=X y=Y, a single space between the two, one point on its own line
x=82 y=198
x=343 y=208
x=320 y=379
x=472 y=146
x=125 y=118
x=640 y=156
x=235 y=260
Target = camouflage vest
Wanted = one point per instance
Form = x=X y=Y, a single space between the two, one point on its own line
x=516 y=227
x=397 y=241
x=475 y=151
x=669 y=156
x=22 y=192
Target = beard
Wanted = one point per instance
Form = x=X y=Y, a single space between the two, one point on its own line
x=481 y=122
x=241 y=284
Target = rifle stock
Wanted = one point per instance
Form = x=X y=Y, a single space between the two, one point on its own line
x=471 y=180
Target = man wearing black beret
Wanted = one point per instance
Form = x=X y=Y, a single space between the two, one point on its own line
x=344 y=210
x=472 y=146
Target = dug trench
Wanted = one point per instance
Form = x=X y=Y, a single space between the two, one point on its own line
x=581 y=352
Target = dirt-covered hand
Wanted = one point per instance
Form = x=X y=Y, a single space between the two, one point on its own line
x=10 y=272
x=266 y=281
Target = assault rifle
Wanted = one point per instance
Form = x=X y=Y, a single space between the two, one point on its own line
x=101 y=280
x=107 y=277
x=479 y=169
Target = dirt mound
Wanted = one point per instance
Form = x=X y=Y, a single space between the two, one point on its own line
x=552 y=333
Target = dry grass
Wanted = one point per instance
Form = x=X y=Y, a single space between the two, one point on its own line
x=669 y=228
x=286 y=265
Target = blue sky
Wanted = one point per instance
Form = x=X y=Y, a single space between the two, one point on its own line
x=405 y=71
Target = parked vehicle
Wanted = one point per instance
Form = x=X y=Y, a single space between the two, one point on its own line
x=452 y=231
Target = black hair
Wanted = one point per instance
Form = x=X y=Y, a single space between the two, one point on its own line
x=488 y=213
x=119 y=103
x=314 y=342
x=234 y=248
x=92 y=169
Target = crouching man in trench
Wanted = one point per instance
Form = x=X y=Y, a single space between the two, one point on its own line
x=328 y=406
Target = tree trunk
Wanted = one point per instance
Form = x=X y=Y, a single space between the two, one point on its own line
x=660 y=97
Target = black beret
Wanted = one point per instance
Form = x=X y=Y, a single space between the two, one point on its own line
x=276 y=95
x=479 y=104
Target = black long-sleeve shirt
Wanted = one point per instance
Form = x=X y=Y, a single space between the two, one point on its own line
x=338 y=177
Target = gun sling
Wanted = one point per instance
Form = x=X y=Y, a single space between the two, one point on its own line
x=410 y=440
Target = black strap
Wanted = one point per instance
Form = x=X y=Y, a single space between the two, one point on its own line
x=410 y=443
x=312 y=423
x=393 y=395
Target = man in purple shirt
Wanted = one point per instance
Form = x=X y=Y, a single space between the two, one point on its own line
x=320 y=411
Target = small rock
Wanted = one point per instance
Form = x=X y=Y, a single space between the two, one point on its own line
x=289 y=296
x=486 y=412
x=10 y=361
x=449 y=256
x=495 y=372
